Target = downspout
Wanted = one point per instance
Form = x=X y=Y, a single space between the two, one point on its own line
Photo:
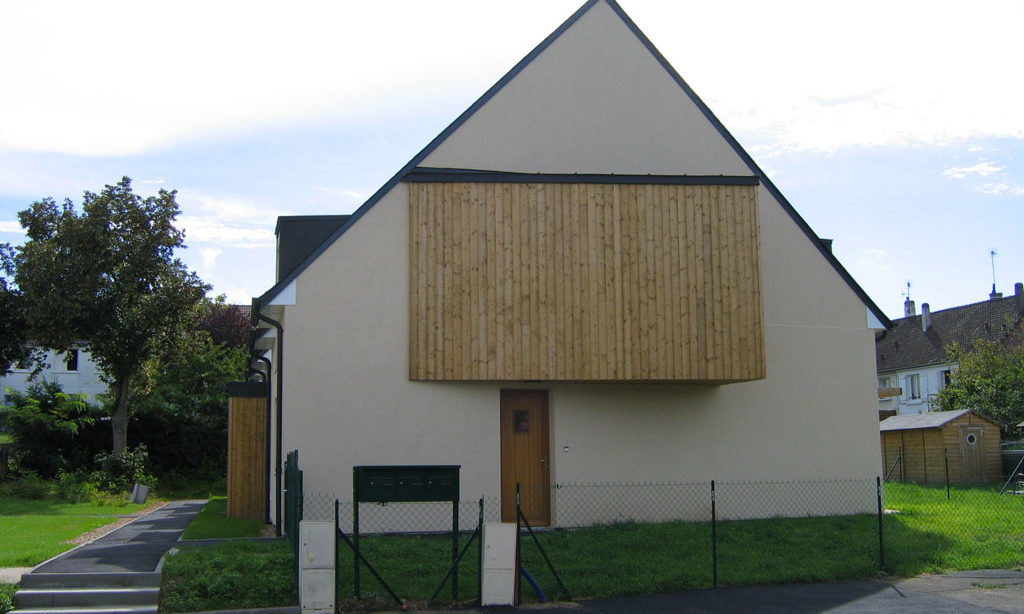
x=266 y=378
x=280 y=396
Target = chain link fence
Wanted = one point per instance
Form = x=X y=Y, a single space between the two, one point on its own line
x=384 y=518
x=729 y=532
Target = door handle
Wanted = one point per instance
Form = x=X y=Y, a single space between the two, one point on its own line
x=545 y=462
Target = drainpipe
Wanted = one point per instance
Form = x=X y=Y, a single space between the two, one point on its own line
x=280 y=396
x=266 y=378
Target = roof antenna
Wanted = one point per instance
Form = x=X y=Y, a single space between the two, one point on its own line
x=994 y=295
x=908 y=305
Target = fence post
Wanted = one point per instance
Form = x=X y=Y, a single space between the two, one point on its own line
x=519 y=575
x=455 y=550
x=881 y=543
x=714 y=538
x=480 y=554
x=946 y=455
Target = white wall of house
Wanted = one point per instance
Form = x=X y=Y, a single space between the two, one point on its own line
x=348 y=397
x=81 y=376
x=920 y=386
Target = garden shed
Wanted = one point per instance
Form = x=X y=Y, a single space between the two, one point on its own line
x=915 y=447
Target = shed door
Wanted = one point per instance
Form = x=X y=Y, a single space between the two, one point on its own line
x=525 y=456
x=971 y=450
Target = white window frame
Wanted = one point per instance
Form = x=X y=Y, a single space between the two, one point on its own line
x=912 y=385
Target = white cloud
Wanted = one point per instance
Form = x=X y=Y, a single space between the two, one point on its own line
x=210 y=230
x=11 y=228
x=209 y=255
x=874 y=260
x=982 y=169
x=930 y=72
x=1001 y=188
x=226 y=222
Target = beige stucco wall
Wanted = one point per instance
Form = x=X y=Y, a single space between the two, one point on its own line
x=596 y=101
x=348 y=398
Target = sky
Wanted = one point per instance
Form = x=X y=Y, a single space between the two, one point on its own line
x=894 y=128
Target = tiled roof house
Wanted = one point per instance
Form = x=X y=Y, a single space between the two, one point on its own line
x=913 y=365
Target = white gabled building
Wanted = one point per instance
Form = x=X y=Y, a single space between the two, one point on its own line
x=74 y=371
x=584 y=278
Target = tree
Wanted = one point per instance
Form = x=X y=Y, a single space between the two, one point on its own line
x=180 y=406
x=226 y=324
x=14 y=347
x=107 y=280
x=989 y=380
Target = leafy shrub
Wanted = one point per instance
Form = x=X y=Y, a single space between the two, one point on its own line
x=75 y=488
x=30 y=486
x=51 y=430
x=7 y=597
x=117 y=474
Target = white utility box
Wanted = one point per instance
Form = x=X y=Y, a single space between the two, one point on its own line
x=316 y=567
x=499 y=574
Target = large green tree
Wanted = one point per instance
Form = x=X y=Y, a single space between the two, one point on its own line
x=14 y=347
x=989 y=380
x=107 y=280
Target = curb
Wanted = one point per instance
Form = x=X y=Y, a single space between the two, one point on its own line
x=294 y=609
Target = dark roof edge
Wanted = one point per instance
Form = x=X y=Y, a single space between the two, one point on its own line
x=422 y=174
x=786 y=205
x=511 y=74
x=426 y=151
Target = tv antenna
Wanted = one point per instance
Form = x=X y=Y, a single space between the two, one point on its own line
x=906 y=295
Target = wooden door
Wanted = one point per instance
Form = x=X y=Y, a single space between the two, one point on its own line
x=971 y=451
x=525 y=457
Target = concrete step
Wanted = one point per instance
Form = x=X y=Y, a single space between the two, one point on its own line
x=140 y=609
x=67 y=597
x=89 y=580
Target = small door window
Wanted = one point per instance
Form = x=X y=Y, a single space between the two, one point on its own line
x=972 y=439
x=522 y=421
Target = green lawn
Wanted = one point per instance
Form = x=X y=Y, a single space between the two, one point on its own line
x=36 y=530
x=235 y=574
x=975 y=529
x=212 y=522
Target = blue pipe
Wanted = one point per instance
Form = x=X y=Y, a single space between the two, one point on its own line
x=533 y=583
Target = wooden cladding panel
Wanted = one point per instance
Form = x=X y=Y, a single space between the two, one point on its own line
x=584 y=282
x=247 y=450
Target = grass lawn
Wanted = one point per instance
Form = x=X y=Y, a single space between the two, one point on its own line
x=212 y=522
x=977 y=528
x=235 y=574
x=36 y=530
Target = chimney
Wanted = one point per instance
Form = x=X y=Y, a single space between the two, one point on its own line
x=1018 y=297
x=908 y=308
x=926 y=317
x=994 y=295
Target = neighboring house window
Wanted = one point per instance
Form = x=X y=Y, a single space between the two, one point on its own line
x=885 y=382
x=71 y=360
x=945 y=378
x=913 y=390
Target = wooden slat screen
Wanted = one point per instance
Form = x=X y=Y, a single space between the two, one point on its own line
x=584 y=282
x=247 y=450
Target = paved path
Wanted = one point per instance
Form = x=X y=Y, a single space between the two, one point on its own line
x=968 y=592
x=134 y=548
